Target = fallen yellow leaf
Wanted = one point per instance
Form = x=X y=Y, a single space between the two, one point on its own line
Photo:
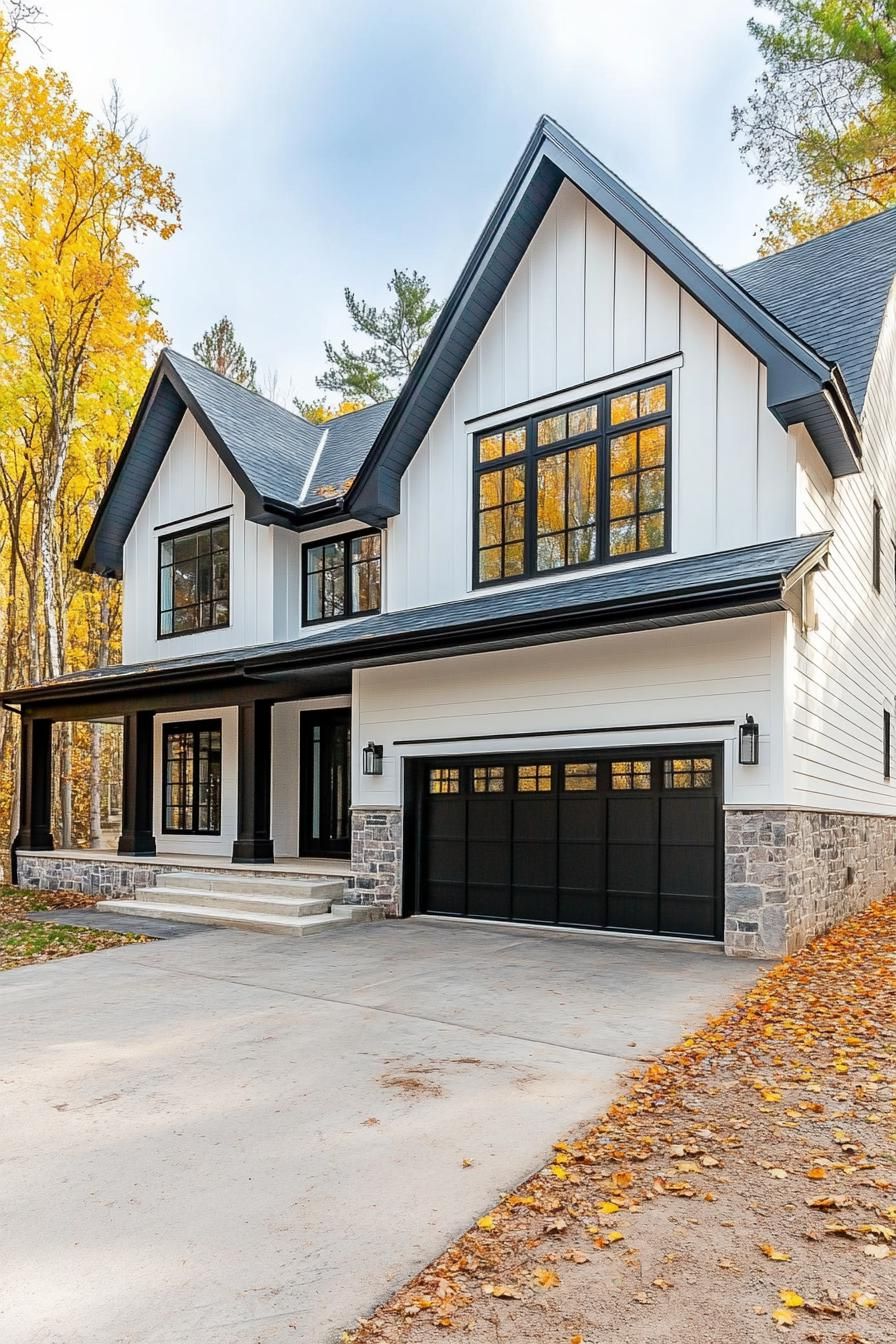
x=783 y=1317
x=546 y=1277
x=790 y=1298
x=608 y=1207
x=816 y=1174
x=769 y=1251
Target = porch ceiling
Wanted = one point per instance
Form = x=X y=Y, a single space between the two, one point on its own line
x=740 y=582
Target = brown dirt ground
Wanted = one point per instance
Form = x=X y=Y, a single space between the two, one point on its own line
x=770 y=1132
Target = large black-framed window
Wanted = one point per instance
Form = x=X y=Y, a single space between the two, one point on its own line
x=587 y=484
x=342 y=577
x=194 y=579
x=191 y=779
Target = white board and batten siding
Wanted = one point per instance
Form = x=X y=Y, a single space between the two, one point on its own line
x=584 y=311
x=578 y=690
x=194 y=488
x=842 y=676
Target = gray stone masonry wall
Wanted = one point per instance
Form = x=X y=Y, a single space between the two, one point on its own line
x=110 y=876
x=790 y=874
x=376 y=858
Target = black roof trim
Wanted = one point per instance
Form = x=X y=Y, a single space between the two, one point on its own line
x=796 y=373
x=667 y=592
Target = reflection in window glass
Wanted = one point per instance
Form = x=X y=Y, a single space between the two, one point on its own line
x=194 y=580
x=638 y=490
x=534 y=778
x=580 y=776
x=688 y=772
x=567 y=508
x=630 y=775
x=444 y=779
x=488 y=779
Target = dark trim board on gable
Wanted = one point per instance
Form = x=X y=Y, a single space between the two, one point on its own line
x=273 y=453
x=801 y=385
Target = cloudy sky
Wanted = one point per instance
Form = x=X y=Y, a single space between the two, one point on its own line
x=320 y=143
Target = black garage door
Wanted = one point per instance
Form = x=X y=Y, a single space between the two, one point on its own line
x=605 y=840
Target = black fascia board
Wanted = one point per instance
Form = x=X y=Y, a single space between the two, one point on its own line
x=702 y=601
x=796 y=372
x=166 y=398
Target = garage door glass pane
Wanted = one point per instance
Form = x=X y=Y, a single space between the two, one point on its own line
x=488 y=779
x=630 y=775
x=534 y=778
x=580 y=776
x=443 y=780
x=688 y=772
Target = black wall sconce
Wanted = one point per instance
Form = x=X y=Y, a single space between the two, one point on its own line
x=373 y=759
x=748 y=742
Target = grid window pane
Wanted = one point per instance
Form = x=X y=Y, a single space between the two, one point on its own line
x=543 y=510
x=688 y=772
x=488 y=779
x=627 y=775
x=444 y=779
x=192 y=778
x=343 y=577
x=535 y=778
x=194 y=569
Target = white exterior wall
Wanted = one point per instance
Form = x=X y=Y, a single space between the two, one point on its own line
x=583 y=310
x=843 y=675
x=714 y=671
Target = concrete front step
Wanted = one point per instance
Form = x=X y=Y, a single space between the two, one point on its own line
x=257 y=905
x=342 y=917
x=308 y=888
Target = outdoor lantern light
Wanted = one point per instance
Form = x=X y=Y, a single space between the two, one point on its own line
x=373 y=759
x=748 y=753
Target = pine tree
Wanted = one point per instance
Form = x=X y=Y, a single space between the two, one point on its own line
x=396 y=333
x=220 y=351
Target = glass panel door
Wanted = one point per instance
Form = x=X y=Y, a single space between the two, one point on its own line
x=325 y=783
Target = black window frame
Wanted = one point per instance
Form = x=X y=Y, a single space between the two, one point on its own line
x=193 y=727
x=209 y=527
x=875 y=544
x=532 y=454
x=886 y=743
x=344 y=539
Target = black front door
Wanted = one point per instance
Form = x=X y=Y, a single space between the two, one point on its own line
x=325 y=782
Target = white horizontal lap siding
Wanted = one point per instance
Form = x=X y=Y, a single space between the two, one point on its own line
x=843 y=674
x=719 y=670
x=587 y=304
x=265 y=592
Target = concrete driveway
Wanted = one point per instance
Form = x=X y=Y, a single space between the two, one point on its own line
x=248 y=1139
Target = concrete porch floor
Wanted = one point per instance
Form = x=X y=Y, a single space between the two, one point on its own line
x=280 y=866
x=241 y=1139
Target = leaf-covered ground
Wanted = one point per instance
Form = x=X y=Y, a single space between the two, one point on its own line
x=22 y=941
x=743 y=1186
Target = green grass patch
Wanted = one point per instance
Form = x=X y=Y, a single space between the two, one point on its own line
x=23 y=941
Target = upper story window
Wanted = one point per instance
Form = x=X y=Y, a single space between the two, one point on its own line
x=342 y=577
x=194 y=580
x=585 y=485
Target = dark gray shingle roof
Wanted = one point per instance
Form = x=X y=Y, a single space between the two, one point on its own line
x=348 y=441
x=274 y=447
x=623 y=596
x=832 y=291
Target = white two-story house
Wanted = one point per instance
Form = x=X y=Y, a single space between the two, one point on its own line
x=594 y=626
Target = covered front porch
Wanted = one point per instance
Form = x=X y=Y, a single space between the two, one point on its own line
x=216 y=773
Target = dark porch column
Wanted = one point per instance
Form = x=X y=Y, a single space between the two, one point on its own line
x=35 y=764
x=253 y=842
x=136 y=786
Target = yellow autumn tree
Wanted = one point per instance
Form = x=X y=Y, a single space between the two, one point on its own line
x=77 y=335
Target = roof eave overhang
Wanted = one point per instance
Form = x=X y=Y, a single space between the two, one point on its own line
x=797 y=376
x=631 y=614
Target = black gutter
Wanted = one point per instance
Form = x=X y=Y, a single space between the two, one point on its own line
x=363 y=650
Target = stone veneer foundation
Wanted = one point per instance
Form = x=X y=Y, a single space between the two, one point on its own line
x=376 y=858
x=791 y=874
x=122 y=876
